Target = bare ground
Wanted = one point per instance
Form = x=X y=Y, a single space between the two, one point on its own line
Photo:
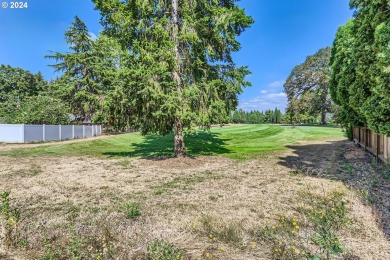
x=356 y=168
x=64 y=201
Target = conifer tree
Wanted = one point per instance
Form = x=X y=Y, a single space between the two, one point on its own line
x=361 y=62
x=181 y=71
x=78 y=85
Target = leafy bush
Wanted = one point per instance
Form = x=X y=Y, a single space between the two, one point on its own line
x=38 y=110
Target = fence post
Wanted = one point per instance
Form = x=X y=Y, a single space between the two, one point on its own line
x=365 y=138
x=60 y=132
x=43 y=133
x=100 y=130
x=378 y=146
x=72 y=131
x=23 y=133
x=83 y=131
x=359 y=140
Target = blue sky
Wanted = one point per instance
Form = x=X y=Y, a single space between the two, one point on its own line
x=284 y=33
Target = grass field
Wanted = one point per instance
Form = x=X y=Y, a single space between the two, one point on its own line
x=261 y=192
x=236 y=142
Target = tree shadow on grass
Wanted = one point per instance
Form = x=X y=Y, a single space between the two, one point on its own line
x=313 y=159
x=344 y=161
x=161 y=147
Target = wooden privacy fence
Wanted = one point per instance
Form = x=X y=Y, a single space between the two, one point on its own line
x=377 y=144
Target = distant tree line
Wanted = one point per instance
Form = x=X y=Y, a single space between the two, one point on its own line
x=257 y=117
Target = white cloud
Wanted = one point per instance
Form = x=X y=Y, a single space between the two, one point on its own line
x=269 y=98
x=265 y=102
x=92 y=35
x=276 y=84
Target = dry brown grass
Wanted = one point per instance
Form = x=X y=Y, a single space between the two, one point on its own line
x=76 y=205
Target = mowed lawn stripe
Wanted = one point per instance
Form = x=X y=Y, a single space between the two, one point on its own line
x=236 y=142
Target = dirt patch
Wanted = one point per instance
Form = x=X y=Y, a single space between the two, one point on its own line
x=83 y=205
x=370 y=178
x=186 y=162
x=314 y=158
x=347 y=162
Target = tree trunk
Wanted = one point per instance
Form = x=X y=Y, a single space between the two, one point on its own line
x=324 y=105
x=323 y=117
x=179 y=147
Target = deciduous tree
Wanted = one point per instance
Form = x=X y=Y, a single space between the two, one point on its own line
x=16 y=84
x=312 y=76
x=39 y=110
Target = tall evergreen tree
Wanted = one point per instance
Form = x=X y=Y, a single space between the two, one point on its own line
x=278 y=116
x=361 y=60
x=116 y=108
x=181 y=56
x=78 y=85
x=342 y=84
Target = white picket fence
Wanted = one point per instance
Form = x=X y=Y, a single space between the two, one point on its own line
x=12 y=133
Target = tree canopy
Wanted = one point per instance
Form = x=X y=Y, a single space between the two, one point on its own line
x=304 y=108
x=78 y=86
x=39 y=110
x=181 y=72
x=94 y=81
x=360 y=61
x=310 y=80
x=16 y=85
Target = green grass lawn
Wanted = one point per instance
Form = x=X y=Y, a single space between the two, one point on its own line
x=236 y=142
